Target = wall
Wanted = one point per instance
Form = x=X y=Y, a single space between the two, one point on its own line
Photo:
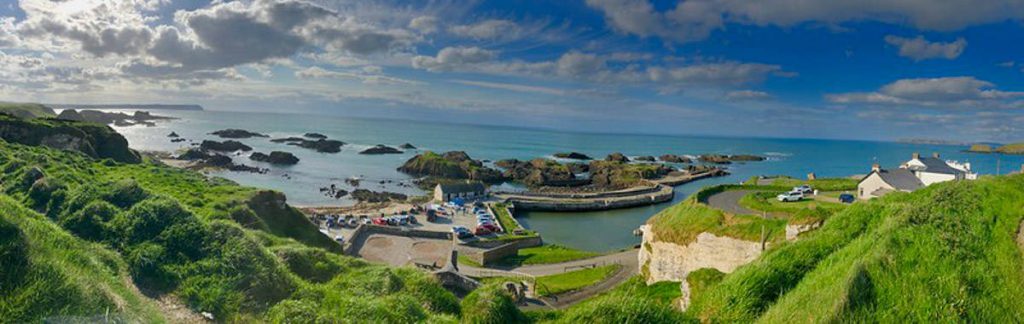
x=928 y=178
x=666 y=261
x=665 y=194
x=870 y=184
x=364 y=231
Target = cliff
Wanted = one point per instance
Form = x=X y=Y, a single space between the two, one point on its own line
x=94 y=140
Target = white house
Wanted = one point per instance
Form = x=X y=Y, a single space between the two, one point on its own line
x=916 y=173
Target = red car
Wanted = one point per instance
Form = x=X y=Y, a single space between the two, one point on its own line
x=487 y=229
x=380 y=221
x=482 y=230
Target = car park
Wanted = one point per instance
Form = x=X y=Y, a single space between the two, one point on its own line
x=790 y=196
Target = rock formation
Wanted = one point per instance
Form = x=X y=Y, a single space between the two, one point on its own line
x=225 y=146
x=381 y=149
x=236 y=133
x=275 y=157
x=572 y=156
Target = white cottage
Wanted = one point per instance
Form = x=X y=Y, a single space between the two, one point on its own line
x=911 y=175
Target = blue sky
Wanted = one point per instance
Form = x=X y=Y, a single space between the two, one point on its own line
x=782 y=68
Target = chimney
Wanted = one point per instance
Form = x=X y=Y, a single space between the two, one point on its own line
x=935 y=155
x=916 y=156
x=876 y=168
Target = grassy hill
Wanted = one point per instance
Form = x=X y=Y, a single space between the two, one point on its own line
x=945 y=253
x=26 y=110
x=1014 y=148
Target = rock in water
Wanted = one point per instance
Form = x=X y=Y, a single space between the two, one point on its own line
x=617 y=157
x=672 y=158
x=236 y=133
x=275 y=157
x=226 y=146
x=645 y=158
x=381 y=149
x=407 y=146
x=451 y=165
x=315 y=135
x=172 y=135
x=572 y=156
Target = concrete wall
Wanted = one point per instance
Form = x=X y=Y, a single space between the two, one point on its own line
x=364 y=231
x=666 y=194
x=928 y=178
x=486 y=252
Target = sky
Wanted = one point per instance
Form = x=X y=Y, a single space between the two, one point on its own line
x=866 y=69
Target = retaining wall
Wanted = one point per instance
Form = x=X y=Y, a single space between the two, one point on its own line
x=365 y=230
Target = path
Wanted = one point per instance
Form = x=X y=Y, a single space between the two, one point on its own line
x=729 y=201
x=627 y=259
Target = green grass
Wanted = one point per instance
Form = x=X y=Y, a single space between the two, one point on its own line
x=26 y=110
x=682 y=223
x=1014 y=148
x=633 y=301
x=506 y=220
x=545 y=254
x=945 y=253
x=574 y=280
x=467 y=261
x=47 y=273
x=823 y=184
x=796 y=212
x=233 y=251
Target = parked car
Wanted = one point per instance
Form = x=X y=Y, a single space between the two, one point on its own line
x=846 y=198
x=380 y=221
x=365 y=220
x=804 y=189
x=482 y=230
x=791 y=196
x=339 y=239
x=490 y=227
x=391 y=221
x=461 y=232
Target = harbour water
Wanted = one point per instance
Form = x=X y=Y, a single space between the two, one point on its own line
x=595 y=231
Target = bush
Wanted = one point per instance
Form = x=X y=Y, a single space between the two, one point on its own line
x=315 y=265
x=184 y=241
x=125 y=194
x=491 y=304
x=90 y=222
x=215 y=294
x=294 y=311
x=145 y=264
x=146 y=220
x=41 y=191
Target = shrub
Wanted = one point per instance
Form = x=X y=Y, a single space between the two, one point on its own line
x=90 y=222
x=294 y=311
x=491 y=304
x=215 y=294
x=125 y=193
x=149 y=218
x=145 y=264
x=184 y=241
x=41 y=191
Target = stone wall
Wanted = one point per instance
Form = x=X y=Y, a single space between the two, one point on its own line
x=487 y=252
x=664 y=261
x=665 y=193
x=365 y=230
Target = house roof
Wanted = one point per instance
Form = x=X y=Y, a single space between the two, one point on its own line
x=935 y=165
x=462 y=187
x=901 y=179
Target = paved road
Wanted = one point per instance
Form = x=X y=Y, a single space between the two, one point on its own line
x=627 y=259
x=729 y=201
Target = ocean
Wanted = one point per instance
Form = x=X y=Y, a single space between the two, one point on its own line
x=594 y=231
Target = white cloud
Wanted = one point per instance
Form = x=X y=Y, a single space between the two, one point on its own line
x=514 y=87
x=368 y=75
x=424 y=24
x=694 y=20
x=487 y=29
x=920 y=48
x=453 y=58
x=947 y=92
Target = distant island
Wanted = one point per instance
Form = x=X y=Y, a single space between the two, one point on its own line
x=931 y=141
x=127 y=106
x=1013 y=148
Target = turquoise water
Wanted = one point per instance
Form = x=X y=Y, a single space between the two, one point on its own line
x=595 y=231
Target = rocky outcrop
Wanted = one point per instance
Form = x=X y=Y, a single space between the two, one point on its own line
x=727 y=159
x=672 y=158
x=450 y=165
x=572 y=156
x=645 y=158
x=225 y=146
x=794 y=230
x=315 y=135
x=407 y=146
x=364 y=195
x=97 y=141
x=172 y=135
x=666 y=261
x=275 y=157
x=617 y=175
x=538 y=172
x=320 y=145
x=380 y=149
x=118 y=119
x=617 y=157
x=236 y=133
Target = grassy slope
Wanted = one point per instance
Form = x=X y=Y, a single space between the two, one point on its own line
x=631 y=302
x=1014 y=148
x=26 y=110
x=179 y=233
x=682 y=223
x=63 y=276
x=545 y=254
x=573 y=280
x=943 y=253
